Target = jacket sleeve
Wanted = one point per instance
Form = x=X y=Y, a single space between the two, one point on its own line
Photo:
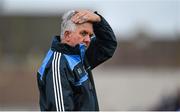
x=42 y=95
x=103 y=45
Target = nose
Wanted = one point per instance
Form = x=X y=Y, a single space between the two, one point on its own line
x=87 y=40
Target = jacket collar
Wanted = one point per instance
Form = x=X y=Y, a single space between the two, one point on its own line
x=64 y=48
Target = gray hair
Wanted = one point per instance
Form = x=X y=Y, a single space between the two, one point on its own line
x=67 y=24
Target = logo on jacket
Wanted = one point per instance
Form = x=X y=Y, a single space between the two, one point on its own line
x=79 y=71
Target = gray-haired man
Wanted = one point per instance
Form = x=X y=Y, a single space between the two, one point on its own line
x=65 y=80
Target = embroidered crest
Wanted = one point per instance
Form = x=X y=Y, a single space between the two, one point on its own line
x=79 y=70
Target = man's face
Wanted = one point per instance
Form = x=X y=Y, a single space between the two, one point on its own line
x=82 y=34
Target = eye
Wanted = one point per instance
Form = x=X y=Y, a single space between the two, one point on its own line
x=83 y=33
x=91 y=35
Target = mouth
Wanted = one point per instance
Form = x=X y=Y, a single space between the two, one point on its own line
x=84 y=45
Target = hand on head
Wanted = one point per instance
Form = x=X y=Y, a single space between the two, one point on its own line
x=83 y=16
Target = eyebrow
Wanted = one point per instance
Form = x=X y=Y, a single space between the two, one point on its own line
x=84 y=31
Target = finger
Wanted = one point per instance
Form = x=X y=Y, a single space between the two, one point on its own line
x=80 y=18
x=84 y=19
x=74 y=16
x=77 y=14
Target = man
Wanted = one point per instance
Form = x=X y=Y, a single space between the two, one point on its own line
x=65 y=80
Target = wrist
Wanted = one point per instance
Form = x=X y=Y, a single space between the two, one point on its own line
x=98 y=19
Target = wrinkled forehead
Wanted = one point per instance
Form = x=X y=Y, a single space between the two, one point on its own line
x=85 y=26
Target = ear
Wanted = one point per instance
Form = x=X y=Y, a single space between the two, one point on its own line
x=67 y=35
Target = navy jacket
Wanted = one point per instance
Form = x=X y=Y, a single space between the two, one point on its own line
x=65 y=80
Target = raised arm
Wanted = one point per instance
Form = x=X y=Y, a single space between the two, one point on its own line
x=104 y=43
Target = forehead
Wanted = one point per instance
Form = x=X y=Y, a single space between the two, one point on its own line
x=85 y=26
